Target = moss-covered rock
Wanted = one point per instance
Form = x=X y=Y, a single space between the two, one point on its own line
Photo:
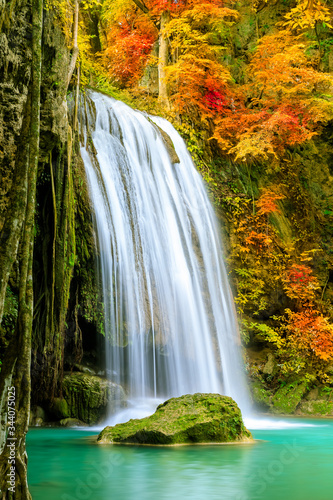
x=320 y=407
x=318 y=402
x=89 y=396
x=71 y=422
x=288 y=397
x=59 y=408
x=261 y=395
x=197 y=418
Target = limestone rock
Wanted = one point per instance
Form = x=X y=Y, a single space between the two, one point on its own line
x=37 y=416
x=270 y=365
x=59 y=408
x=288 y=397
x=89 y=396
x=197 y=418
x=168 y=144
x=320 y=407
x=71 y=422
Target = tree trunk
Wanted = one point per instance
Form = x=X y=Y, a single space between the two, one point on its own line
x=12 y=228
x=163 y=61
x=13 y=459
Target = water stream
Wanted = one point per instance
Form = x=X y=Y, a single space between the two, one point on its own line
x=169 y=315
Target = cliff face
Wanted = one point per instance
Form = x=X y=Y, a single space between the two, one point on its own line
x=15 y=74
x=61 y=303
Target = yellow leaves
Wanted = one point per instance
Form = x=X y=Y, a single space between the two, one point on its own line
x=65 y=11
x=253 y=145
x=307 y=14
x=113 y=10
x=193 y=29
x=268 y=334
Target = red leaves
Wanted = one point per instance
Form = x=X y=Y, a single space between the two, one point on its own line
x=214 y=100
x=129 y=47
x=300 y=284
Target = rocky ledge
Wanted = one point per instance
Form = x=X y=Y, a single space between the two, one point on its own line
x=189 y=419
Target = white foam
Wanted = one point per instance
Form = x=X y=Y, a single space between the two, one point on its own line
x=274 y=424
x=137 y=408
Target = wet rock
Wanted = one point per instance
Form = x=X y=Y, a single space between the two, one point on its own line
x=168 y=144
x=288 y=397
x=59 y=408
x=261 y=395
x=89 y=396
x=270 y=366
x=37 y=416
x=71 y=422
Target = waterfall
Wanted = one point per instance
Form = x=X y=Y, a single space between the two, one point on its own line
x=169 y=314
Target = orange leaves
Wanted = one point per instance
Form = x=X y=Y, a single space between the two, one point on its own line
x=310 y=331
x=282 y=70
x=198 y=82
x=199 y=85
x=289 y=100
x=258 y=240
x=267 y=202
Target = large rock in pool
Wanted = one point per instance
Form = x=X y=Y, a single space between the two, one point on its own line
x=88 y=397
x=193 y=418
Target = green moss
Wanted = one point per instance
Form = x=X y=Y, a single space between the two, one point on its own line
x=287 y=398
x=88 y=396
x=197 y=418
x=318 y=407
x=260 y=395
x=59 y=408
x=9 y=319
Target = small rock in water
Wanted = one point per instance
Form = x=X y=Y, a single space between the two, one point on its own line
x=189 y=419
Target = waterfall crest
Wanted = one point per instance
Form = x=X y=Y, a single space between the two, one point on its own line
x=169 y=314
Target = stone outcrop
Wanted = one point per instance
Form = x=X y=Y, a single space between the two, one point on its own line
x=189 y=419
x=88 y=398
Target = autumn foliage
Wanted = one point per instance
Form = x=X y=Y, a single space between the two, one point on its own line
x=310 y=334
x=129 y=47
x=300 y=284
x=254 y=95
x=288 y=100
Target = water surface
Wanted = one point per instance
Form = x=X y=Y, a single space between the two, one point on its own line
x=291 y=462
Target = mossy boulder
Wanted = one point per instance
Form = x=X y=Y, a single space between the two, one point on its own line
x=321 y=407
x=89 y=396
x=197 y=418
x=59 y=408
x=71 y=422
x=318 y=402
x=287 y=398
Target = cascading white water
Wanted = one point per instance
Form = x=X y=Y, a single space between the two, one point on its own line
x=169 y=314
